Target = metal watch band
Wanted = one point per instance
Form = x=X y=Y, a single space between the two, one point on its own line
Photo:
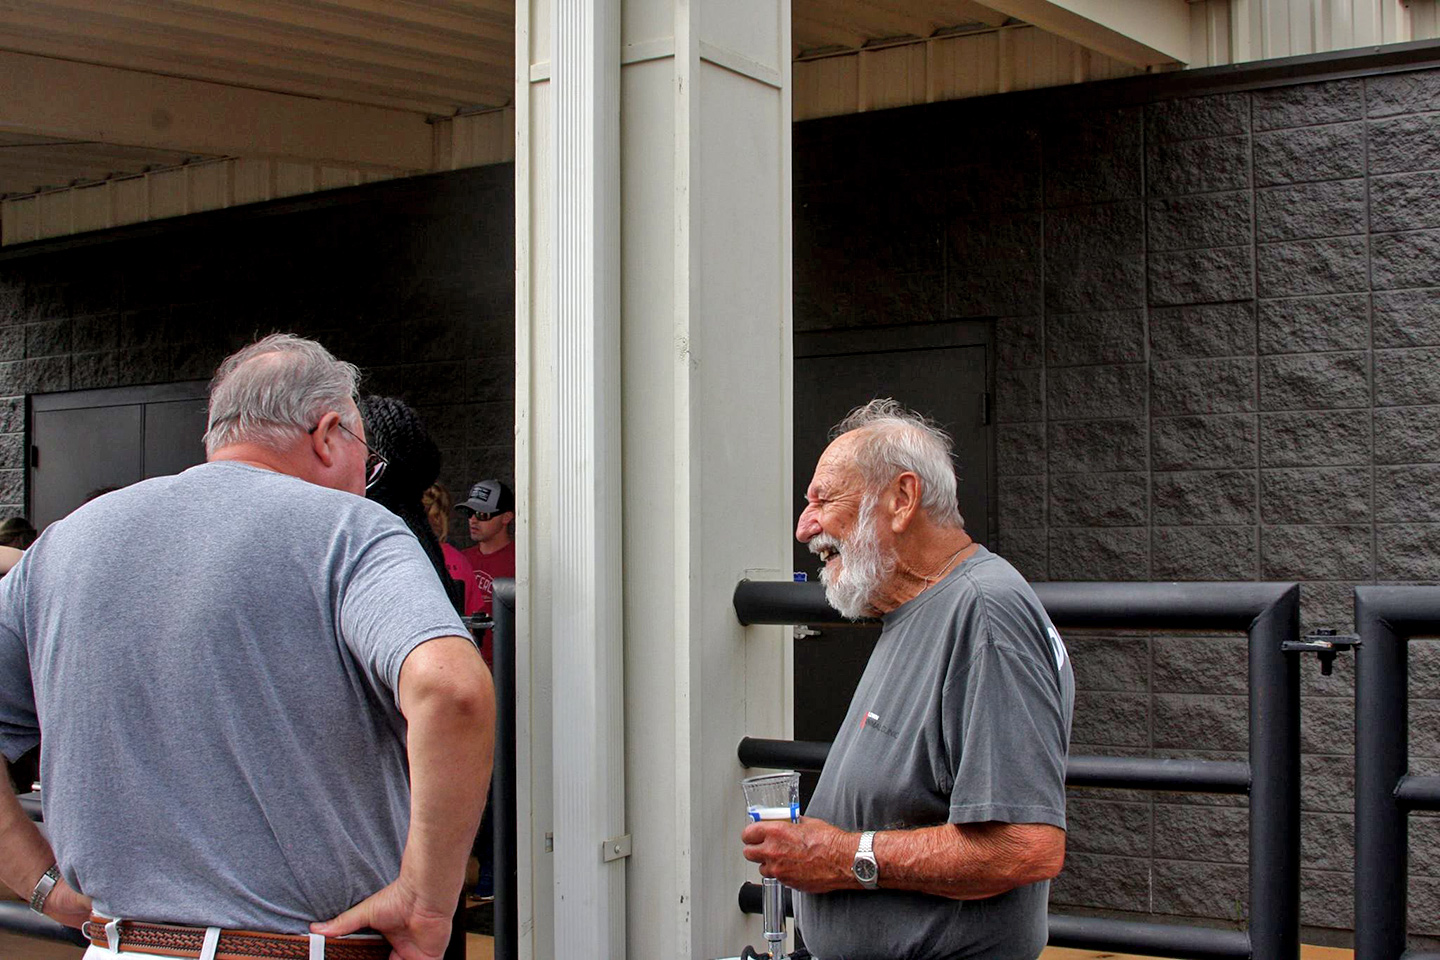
x=869 y=875
x=43 y=886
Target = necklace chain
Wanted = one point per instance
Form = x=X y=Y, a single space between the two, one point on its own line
x=943 y=569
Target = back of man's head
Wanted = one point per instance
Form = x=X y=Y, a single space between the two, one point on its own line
x=275 y=390
x=891 y=440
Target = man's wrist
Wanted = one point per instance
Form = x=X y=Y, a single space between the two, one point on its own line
x=864 y=866
x=44 y=887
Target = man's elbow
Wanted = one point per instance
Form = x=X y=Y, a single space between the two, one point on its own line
x=1044 y=856
x=451 y=679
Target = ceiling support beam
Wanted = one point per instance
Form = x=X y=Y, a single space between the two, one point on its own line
x=76 y=101
x=1142 y=33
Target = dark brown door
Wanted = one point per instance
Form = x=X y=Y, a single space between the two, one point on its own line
x=941 y=370
x=86 y=440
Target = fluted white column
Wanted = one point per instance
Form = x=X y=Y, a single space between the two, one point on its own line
x=585 y=512
x=653 y=443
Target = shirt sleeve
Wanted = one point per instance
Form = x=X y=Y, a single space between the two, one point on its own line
x=1005 y=734
x=19 y=725
x=392 y=602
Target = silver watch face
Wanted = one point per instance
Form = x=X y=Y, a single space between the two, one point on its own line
x=866 y=870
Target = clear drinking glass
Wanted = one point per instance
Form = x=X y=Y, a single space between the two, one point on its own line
x=773 y=796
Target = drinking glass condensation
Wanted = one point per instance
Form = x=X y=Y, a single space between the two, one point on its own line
x=774 y=796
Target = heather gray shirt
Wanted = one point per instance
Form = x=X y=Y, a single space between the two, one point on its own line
x=962 y=716
x=213 y=658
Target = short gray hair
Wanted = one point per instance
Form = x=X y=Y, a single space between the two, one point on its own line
x=894 y=440
x=265 y=392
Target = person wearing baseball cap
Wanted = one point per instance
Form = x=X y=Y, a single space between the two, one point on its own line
x=490 y=508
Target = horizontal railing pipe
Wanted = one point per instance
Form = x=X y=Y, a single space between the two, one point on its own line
x=1145 y=773
x=752 y=899
x=1121 y=773
x=1151 y=606
x=17 y=917
x=1149 y=939
x=807 y=756
x=783 y=602
x=1418 y=793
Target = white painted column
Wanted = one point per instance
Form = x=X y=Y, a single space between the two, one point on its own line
x=654 y=477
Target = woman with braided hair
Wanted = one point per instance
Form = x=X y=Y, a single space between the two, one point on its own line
x=395 y=431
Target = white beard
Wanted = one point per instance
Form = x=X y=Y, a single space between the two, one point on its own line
x=865 y=567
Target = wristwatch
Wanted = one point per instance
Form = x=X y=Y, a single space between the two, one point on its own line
x=43 y=886
x=867 y=871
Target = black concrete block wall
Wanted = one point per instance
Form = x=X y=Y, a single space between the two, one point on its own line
x=1218 y=358
x=412 y=280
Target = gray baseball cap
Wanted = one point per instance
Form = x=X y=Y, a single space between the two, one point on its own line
x=489 y=496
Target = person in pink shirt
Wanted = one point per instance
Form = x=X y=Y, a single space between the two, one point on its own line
x=437 y=503
x=490 y=509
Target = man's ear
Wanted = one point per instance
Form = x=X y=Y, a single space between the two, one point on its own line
x=323 y=438
x=904 y=501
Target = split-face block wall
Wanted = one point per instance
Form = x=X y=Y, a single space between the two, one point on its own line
x=1217 y=335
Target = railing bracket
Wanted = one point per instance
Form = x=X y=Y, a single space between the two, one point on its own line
x=1325 y=644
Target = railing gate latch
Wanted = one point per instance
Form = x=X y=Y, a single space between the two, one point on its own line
x=1325 y=644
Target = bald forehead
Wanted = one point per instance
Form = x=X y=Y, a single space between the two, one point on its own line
x=837 y=466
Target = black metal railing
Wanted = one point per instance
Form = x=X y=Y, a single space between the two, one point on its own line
x=1387 y=618
x=1269 y=613
x=502 y=779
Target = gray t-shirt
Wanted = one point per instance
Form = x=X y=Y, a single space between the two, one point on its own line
x=213 y=658
x=962 y=716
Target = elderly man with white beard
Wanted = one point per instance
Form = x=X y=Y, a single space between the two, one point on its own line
x=939 y=819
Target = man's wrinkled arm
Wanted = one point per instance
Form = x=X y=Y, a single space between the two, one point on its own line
x=969 y=861
x=25 y=855
x=448 y=700
x=961 y=861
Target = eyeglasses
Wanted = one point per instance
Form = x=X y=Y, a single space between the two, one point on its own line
x=375 y=464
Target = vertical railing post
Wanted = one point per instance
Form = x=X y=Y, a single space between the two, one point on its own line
x=1275 y=781
x=1382 y=840
x=503 y=816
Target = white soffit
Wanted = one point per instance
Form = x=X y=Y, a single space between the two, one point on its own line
x=850 y=24
x=1143 y=33
x=130 y=85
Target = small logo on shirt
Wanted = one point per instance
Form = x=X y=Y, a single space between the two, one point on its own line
x=486 y=582
x=871 y=721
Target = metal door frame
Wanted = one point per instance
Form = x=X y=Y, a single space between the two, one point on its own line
x=37 y=403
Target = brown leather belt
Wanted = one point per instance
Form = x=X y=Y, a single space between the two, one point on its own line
x=167 y=940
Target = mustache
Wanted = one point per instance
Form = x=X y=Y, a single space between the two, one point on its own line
x=822 y=541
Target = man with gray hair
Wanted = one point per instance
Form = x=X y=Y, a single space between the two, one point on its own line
x=259 y=661
x=939 y=818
